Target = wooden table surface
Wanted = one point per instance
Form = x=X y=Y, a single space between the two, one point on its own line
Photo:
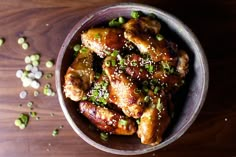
x=46 y=23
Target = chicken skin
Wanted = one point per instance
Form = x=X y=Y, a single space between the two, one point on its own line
x=142 y=35
x=103 y=41
x=124 y=92
x=79 y=76
x=154 y=121
x=107 y=120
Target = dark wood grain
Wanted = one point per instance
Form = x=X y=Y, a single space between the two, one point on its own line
x=46 y=24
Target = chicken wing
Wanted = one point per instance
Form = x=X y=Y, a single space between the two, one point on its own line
x=79 y=76
x=107 y=120
x=102 y=41
x=142 y=35
x=154 y=121
x=124 y=93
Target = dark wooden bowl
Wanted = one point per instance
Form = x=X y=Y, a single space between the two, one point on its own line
x=189 y=100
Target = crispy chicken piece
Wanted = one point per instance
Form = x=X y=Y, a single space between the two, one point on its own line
x=183 y=63
x=154 y=121
x=104 y=40
x=174 y=79
x=135 y=68
x=141 y=33
x=107 y=120
x=124 y=93
x=79 y=76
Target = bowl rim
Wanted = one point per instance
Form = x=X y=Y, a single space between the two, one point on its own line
x=159 y=12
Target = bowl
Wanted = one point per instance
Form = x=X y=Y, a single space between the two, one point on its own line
x=189 y=100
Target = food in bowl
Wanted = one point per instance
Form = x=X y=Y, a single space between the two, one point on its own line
x=124 y=77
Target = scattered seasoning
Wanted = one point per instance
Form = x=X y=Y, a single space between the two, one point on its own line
x=37 y=118
x=123 y=122
x=2 y=40
x=146 y=99
x=52 y=114
x=36 y=93
x=159 y=105
x=104 y=136
x=21 y=40
x=33 y=114
x=121 y=20
x=22 y=121
x=20 y=105
x=25 y=45
x=226 y=119
x=30 y=104
x=49 y=64
x=23 y=94
x=159 y=37
x=55 y=132
x=61 y=126
x=97 y=36
x=48 y=76
x=156 y=89
x=135 y=14
x=138 y=121
x=76 y=48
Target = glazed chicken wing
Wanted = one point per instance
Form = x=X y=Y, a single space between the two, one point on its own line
x=154 y=121
x=103 y=40
x=107 y=120
x=124 y=93
x=79 y=76
x=142 y=35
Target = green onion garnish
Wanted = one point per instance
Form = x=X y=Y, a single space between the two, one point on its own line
x=135 y=14
x=123 y=122
x=159 y=37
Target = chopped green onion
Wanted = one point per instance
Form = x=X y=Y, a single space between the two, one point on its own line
x=55 y=132
x=114 y=23
x=133 y=63
x=35 y=63
x=2 y=40
x=33 y=114
x=146 y=99
x=22 y=126
x=18 y=122
x=25 y=45
x=84 y=50
x=36 y=93
x=114 y=53
x=159 y=105
x=145 y=89
x=107 y=52
x=21 y=40
x=136 y=91
x=107 y=63
x=145 y=83
x=104 y=136
x=113 y=62
x=48 y=76
x=150 y=68
x=135 y=14
x=77 y=47
x=95 y=93
x=159 y=37
x=49 y=64
x=30 y=104
x=84 y=98
x=123 y=122
x=97 y=36
x=138 y=121
x=156 y=89
x=22 y=121
x=121 y=20
x=97 y=75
